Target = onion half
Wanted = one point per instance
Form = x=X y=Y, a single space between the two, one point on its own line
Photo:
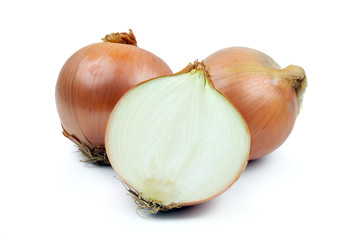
x=92 y=81
x=267 y=96
x=176 y=141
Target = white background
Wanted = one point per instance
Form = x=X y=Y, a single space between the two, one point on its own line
x=307 y=189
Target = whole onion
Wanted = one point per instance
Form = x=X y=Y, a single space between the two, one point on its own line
x=92 y=81
x=268 y=97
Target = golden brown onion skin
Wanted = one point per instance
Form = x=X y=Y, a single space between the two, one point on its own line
x=261 y=91
x=92 y=81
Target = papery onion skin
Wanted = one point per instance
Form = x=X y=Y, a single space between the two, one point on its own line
x=268 y=97
x=92 y=81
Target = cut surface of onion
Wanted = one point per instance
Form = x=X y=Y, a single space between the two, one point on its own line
x=176 y=141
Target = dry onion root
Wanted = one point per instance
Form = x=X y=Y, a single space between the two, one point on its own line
x=176 y=141
x=267 y=96
x=92 y=81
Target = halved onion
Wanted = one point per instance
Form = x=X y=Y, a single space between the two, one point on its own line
x=176 y=141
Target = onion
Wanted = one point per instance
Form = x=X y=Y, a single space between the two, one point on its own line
x=91 y=82
x=176 y=141
x=267 y=96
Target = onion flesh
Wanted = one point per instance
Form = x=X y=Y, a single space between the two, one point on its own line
x=176 y=141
